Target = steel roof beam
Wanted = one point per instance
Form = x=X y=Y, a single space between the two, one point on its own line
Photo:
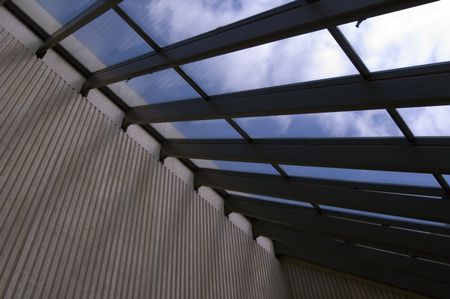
x=289 y=20
x=404 y=205
x=407 y=158
x=387 y=89
x=370 y=265
x=84 y=18
x=405 y=241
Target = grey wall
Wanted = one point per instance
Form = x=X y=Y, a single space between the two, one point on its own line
x=311 y=281
x=86 y=212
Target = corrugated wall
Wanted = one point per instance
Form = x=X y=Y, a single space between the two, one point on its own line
x=310 y=281
x=85 y=212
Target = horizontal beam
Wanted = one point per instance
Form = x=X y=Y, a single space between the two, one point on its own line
x=403 y=205
x=388 y=89
x=84 y=18
x=387 y=260
x=362 y=268
x=289 y=20
x=407 y=158
x=409 y=242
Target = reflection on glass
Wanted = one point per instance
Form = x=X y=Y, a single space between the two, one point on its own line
x=362 y=175
x=270 y=198
x=382 y=216
x=428 y=121
x=217 y=129
x=165 y=21
x=302 y=58
x=111 y=39
x=236 y=166
x=405 y=38
x=160 y=87
x=370 y=123
x=65 y=11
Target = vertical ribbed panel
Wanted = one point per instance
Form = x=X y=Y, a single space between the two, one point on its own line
x=85 y=212
x=310 y=281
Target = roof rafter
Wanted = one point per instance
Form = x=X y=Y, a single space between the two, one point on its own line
x=387 y=89
x=404 y=205
x=292 y=19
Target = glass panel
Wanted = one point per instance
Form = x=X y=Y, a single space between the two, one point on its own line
x=428 y=121
x=362 y=175
x=236 y=166
x=382 y=216
x=270 y=198
x=447 y=178
x=405 y=38
x=110 y=39
x=215 y=129
x=165 y=21
x=65 y=11
x=302 y=58
x=370 y=123
x=154 y=88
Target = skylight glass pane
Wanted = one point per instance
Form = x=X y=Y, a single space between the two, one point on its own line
x=270 y=198
x=428 y=121
x=166 y=21
x=215 y=129
x=409 y=37
x=65 y=11
x=110 y=39
x=369 y=123
x=236 y=166
x=154 y=88
x=382 y=216
x=447 y=178
x=302 y=58
x=362 y=175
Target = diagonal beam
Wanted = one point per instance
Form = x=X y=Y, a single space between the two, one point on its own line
x=286 y=21
x=403 y=205
x=84 y=18
x=388 y=89
x=413 y=243
x=407 y=158
x=363 y=268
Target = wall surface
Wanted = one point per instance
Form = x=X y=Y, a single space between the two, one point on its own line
x=311 y=281
x=86 y=212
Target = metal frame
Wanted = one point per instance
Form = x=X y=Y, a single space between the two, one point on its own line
x=403 y=205
x=434 y=247
x=427 y=159
x=409 y=87
x=289 y=20
x=388 y=89
x=365 y=265
x=84 y=18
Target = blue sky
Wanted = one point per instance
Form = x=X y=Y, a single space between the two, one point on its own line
x=401 y=39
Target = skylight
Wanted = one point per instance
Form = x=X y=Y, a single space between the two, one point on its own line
x=236 y=166
x=214 y=129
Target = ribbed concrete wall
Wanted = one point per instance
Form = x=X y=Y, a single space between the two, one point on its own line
x=310 y=281
x=85 y=212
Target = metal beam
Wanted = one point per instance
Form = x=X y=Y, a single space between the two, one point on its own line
x=289 y=20
x=409 y=242
x=387 y=89
x=364 y=269
x=387 y=260
x=84 y=18
x=406 y=158
x=403 y=205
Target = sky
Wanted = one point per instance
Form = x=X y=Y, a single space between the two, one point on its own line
x=407 y=38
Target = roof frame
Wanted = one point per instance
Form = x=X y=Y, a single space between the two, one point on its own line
x=409 y=87
x=405 y=158
x=403 y=205
x=303 y=219
x=289 y=20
